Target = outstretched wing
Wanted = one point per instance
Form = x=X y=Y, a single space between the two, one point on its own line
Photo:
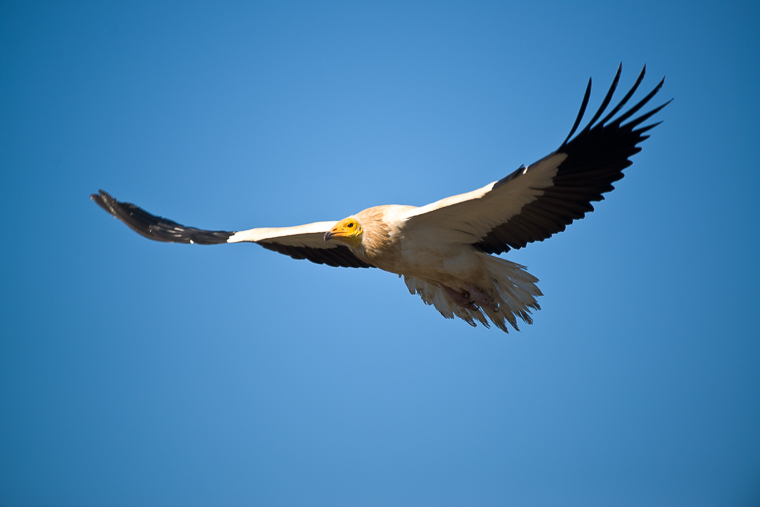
x=300 y=242
x=535 y=202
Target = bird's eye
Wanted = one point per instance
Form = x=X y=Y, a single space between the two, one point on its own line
x=351 y=225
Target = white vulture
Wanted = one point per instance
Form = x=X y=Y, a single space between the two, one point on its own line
x=445 y=250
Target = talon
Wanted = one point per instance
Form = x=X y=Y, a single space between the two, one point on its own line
x=460 y=298
x=483 y=299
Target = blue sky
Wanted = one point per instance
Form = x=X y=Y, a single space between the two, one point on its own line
x=139 y=373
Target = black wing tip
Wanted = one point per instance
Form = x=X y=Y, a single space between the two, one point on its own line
x=155 y=227
x=633 y=110
x=104 y=200
x=97 y=197
x=581 y=112
x=100 y=195
x=595 y=158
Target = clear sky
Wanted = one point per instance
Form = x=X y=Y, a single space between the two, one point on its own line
x=135 y=373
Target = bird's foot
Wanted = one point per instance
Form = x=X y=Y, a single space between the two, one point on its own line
x=481 y=298
x=460 y=298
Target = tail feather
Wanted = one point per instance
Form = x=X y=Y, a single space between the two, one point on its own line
x=514 y=291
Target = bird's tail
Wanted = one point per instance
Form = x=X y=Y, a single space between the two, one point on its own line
x=513 y=289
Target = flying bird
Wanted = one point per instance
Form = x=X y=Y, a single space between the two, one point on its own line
x=446 y=250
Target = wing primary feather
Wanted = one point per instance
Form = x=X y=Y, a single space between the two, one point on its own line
x=644 y=117
x=165 y=230
x=581 y=112
x=646 y=129
x=155 y=227
x=607 y=99
x=640 y=104
x=627 y=96
x=595 y=158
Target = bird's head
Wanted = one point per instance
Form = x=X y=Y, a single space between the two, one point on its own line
x=348 y=231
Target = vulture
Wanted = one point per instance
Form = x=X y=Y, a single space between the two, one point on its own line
x=446 y=251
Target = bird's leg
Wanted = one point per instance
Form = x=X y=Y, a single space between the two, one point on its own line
x=482 y=298
x=460 y=298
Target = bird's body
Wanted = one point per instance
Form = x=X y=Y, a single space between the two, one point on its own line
x=443 y=250
x=453 y=276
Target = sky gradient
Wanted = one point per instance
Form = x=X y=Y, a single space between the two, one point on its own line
x=136 y=373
